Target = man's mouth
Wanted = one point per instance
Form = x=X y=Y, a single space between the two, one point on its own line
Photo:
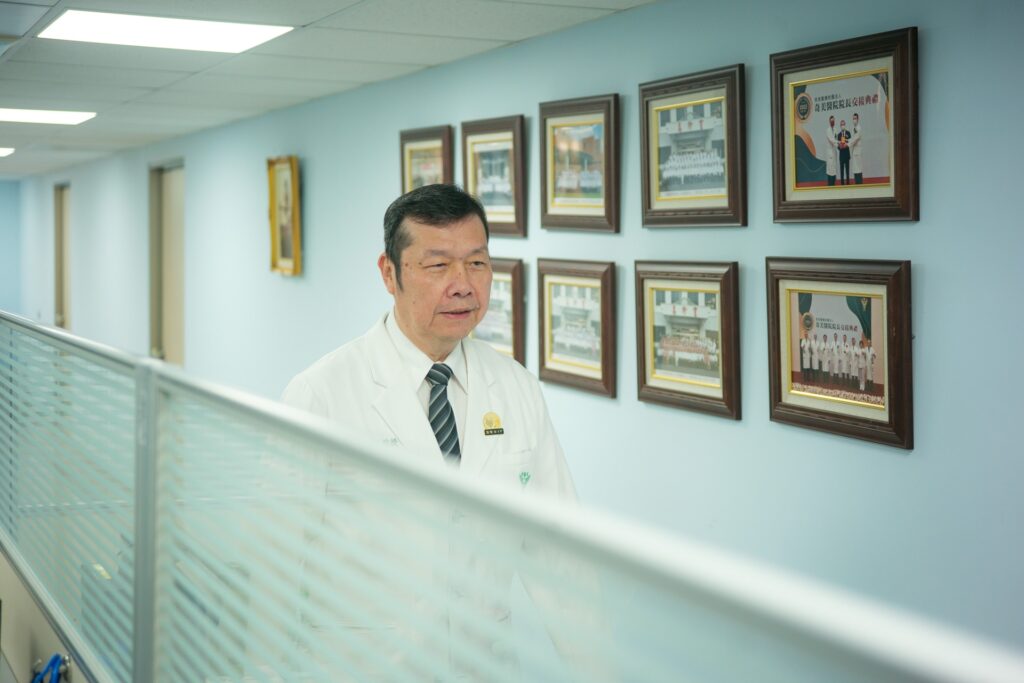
x=457 y=314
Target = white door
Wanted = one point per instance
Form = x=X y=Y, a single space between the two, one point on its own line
x=167 y=324
x=61 y=269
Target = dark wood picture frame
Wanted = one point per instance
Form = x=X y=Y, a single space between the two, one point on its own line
x=602 y=275
x=514 y=269
x=712 y=210
x=408 y=138
x=585 y=111
x=895 y=427
x=510 y=128
x=691 y=393
x=900 y=89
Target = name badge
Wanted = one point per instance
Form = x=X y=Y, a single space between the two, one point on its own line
x=492 y=424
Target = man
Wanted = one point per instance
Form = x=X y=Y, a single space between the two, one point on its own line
x=830 y=151
x=817 y=347
x=437 y=267
x=416 y=380
x=805 y=358
x=869 y=360
x=831 y=360
x=844 y=362
x=859 y=362
x=843 y=143
x=856 y=150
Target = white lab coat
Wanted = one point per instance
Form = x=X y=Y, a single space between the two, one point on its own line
x=831 y=154
x=363 y=385
x=856 y=152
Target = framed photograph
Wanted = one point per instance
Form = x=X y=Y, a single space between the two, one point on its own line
x=285 y=219
x=503 y=326
x=426 y=156
x=579 y=176
x=577 y=324
x=694 y=150
x=493 y=171
x=839 y=345
x=688 y=335
x=844 y=130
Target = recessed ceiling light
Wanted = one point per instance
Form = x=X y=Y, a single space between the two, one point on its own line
x=65 y=118
x=176 y=34
x=6 y=151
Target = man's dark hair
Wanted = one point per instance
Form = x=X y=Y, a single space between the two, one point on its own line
x=438 y=205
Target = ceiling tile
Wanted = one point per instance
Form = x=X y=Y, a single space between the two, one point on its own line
x=286 y=87
x=254 y=102
x=460 y=18
x=26 y=162
x=313 y=69
x=291 y=13
x=74 y=73
x=329 y=43
x=40 y=102
x=149 y=111
x=16 y=19
x=599 y=4
x=95 y=54
x=71 y=92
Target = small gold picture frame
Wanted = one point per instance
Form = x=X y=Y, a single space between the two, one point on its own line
x=285 y=217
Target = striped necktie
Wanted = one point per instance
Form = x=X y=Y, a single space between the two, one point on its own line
x=442 y=417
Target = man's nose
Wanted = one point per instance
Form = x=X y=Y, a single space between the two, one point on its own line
x=459 y=284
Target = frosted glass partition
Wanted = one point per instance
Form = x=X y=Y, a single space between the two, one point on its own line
x=67 y=480
x=270 y=546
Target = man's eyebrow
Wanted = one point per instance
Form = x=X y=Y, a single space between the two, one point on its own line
x=444 y=252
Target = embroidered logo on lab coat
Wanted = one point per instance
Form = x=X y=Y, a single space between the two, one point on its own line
x=524 y=478
x=492 y=424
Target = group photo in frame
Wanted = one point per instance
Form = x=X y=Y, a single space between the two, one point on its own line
x=576 y=302
x=493 y=171
x=844 y=130
x=687 y=335
x=693 y=149
x=839 y=345
x=503 y=326
x=579 y=170
x=426 y=157
x=285 y=216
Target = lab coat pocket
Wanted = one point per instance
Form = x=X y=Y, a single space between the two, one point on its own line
x=514 y=468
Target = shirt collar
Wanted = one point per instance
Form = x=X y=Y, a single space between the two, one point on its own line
x=417 y=363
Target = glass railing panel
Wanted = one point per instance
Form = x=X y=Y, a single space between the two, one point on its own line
x=67 y=483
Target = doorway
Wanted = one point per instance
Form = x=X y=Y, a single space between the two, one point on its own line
x=61 y=253
x=167 y=263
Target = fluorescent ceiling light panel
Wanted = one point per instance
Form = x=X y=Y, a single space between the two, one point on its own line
x=176 y=34
x=64 y=118
x=6 y=151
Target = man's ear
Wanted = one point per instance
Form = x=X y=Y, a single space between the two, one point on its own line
x=387 y=273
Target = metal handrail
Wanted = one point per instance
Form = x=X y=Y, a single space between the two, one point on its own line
x=773 y=596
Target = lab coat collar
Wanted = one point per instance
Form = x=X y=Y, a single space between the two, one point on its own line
x=399 y=407
x=396 y=403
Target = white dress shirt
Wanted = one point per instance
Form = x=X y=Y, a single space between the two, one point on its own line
x=416 y=366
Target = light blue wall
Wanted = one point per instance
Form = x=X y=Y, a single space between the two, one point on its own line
x=10 y=246
x=935 y=529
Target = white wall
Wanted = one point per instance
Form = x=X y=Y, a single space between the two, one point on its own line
x=934 y=529
x=10 y=246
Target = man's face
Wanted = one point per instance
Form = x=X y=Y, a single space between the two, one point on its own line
x=856 y=120
x=832 y=122
x=446 y=283
x=842 y=125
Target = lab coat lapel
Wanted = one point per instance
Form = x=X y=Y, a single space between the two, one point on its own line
x=477 y=447
x=396 y=402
